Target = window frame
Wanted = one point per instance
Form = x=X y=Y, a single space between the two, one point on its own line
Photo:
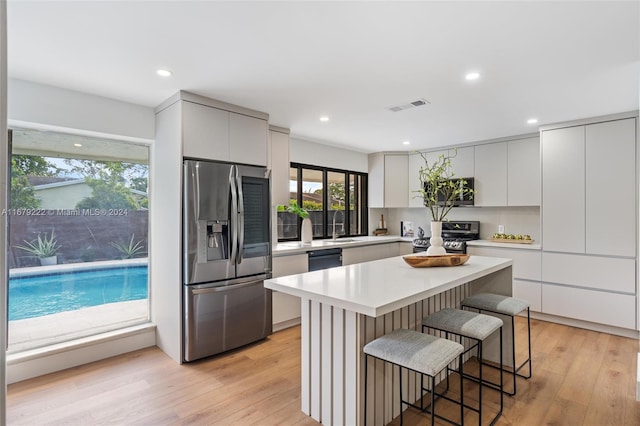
x=361 y=210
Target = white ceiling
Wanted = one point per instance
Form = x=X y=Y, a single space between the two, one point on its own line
x=556 y=61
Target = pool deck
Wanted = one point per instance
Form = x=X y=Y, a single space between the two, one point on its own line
x=46 y=330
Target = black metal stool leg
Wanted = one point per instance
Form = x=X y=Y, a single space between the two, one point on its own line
x=366 y=359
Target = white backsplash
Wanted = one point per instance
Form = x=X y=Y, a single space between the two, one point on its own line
x=516 y=220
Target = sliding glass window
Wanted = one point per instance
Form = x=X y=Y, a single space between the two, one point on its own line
x=335 y=199
x=78 y=227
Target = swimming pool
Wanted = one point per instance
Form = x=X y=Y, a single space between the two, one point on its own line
x=49 y=293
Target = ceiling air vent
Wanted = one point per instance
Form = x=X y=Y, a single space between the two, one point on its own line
x=419 y=102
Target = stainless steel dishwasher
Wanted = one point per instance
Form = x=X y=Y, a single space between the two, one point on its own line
x=323 y=259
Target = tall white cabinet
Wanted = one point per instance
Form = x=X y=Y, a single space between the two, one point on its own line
x=589 y=188
x=563 y=185
x=589 y=228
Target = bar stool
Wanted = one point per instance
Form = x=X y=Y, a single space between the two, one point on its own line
x=477 y=327
x=509 y=306
x=415 y=351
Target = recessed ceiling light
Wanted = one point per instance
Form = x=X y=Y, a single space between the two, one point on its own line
x=532 y=121
x=164 y=73
x=406 y=143
x=472 y=76
x=324 y=118
x=77 y=144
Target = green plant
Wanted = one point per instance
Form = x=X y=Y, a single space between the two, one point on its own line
x=42 y=247
x=293 y=207
x=130 y=249
x=436 y=181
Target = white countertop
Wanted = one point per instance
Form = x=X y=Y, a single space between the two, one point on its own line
x=296 y=247
x=382 y=286
x=487 y=243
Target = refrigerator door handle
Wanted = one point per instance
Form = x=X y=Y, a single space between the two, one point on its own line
x=225 y=287
x=240 y=218
x=233 y=209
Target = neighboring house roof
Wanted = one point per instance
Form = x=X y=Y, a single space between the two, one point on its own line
x=45 y=180
x=56 y=183
x=65 y=193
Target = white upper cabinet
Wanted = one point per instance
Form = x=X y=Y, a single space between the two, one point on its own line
x=523 y=169
x=611 y=188
x=563 y=189
x=490 y=181
x=280 y=166
x=205 y=132
x=247 y=139
x=388 y=180
x=462 y=160
x=415 y=163
x=396 y=181
x=462 y=164
x=216 y=134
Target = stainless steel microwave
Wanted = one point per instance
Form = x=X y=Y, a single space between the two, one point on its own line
x=466 y=199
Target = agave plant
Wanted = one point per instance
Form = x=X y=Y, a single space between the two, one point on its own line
x=130 y=249
x=42 y=247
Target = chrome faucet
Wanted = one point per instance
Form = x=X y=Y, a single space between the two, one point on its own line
x=334 y=225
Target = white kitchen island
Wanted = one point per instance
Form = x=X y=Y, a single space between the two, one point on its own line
x=346 y=307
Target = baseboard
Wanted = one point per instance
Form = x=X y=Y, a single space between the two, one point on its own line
x=617 y=331
x=286 y=324
x=41 y=361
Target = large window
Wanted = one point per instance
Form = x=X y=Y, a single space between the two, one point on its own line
x=78 y=227
x=335 y=199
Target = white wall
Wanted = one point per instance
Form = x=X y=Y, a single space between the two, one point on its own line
x=44 y=105
x=306 y=152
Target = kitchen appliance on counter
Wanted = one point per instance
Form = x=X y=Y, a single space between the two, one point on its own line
x=226 y=257
x=455 y=235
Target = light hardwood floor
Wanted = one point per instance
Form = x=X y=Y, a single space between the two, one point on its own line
x=580 y=378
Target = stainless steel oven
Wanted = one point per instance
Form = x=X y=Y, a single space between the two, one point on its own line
x=455 y=235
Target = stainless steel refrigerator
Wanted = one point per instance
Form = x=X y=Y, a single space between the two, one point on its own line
x=227 y=256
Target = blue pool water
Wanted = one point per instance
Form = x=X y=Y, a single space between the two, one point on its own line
x=38 y=295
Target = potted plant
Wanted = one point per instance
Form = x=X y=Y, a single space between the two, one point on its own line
x=306 y=233
x=46 y=249
x=438 y=190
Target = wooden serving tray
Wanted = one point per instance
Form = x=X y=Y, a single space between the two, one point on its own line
x=504 y=240
x=437 y=260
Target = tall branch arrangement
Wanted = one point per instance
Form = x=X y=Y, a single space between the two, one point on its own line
x=437 y=179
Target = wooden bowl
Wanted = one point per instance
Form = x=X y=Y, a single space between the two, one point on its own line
x=438 y=260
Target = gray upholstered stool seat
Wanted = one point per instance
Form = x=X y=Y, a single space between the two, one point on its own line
x=510 y=306
x=416 y=351
x=424 y=354
x=496 y=303
x=474 y=326
x=463 y=323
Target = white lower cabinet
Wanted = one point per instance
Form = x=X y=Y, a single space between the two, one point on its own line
x=526 y=272
x=368 y=253
x=590 y=288
x=530 y=291
x=286 y=308
x=405 y=248
x=618 y=310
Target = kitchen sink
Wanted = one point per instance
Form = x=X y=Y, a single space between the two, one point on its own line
x=338 y=241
